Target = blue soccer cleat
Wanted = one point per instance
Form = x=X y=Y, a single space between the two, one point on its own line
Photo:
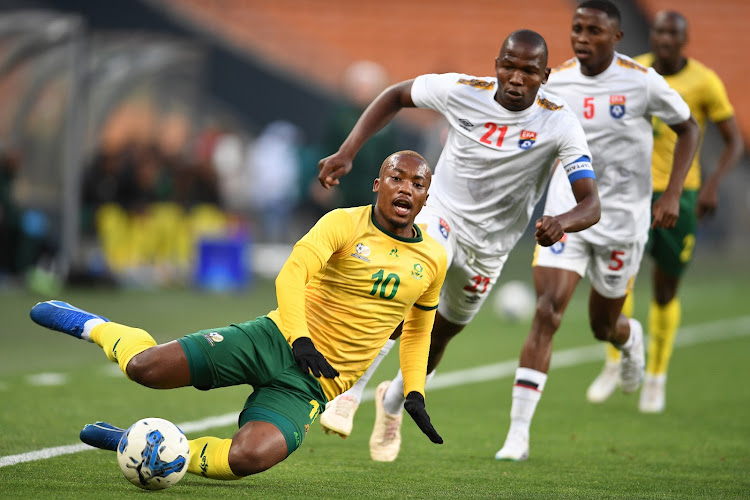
x=63 y=317
x=102 y=435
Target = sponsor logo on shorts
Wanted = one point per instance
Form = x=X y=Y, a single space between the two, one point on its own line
x=213 y=338
x=612 y=279
x=617 y=106
x=528 y=138
x=445 y=229
x=361 y=251
x=559 y=246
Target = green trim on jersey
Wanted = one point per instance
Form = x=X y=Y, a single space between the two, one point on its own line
x=415 y=239
x=426 y=308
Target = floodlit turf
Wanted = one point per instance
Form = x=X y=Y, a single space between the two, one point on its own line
x=700 y=448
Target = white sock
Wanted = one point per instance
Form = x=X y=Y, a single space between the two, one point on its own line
x=393 y=402
x=627 y=345
x=88 y=326
x=527 y=391
x=355 y=392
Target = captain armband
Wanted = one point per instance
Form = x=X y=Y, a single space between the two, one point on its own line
x=580 y=169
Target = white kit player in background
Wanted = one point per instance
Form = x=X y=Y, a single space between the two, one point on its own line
x=614 y=99
x=505 y=133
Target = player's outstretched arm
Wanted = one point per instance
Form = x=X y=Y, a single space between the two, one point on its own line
x=375 y=117
x=414 y=406
x=667 y=208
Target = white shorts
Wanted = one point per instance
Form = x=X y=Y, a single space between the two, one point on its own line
x=471 y=274
x=609 y=267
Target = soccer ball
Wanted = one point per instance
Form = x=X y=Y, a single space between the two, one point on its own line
x=153 y=454
x=515 y=301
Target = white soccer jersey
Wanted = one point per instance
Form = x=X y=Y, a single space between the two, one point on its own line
x=615 y=109
x=496 y=163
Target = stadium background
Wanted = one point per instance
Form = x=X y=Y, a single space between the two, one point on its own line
x=203 y=81
x=190 y=87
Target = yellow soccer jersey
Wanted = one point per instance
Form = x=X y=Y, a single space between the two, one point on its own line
x=704 y=92
x=359 y=283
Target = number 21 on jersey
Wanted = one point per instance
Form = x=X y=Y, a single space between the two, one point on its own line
x=494 y=130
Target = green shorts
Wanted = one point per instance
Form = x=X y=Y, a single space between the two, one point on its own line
x=256 y=353
x=672 y=249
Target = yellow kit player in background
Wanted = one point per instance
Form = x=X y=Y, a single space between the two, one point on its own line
x=672 y=249
x=349 y=282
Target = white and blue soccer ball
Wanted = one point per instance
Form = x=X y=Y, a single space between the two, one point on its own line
x=153 y=454
x=515 y=301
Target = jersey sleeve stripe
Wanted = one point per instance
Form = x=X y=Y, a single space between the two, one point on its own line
x=426 y=308
x=581 y=174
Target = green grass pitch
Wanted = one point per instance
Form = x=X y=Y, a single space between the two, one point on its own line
x=699 y=448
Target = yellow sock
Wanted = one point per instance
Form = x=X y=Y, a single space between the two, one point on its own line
x=121 y=343
x=209 y=457
x=663 y=322
x=613 y=353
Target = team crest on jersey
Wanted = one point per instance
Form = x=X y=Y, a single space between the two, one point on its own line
x=559 y=245
x=445 y=229
x=361 y=251
x=417 y=271
x=528 y=138
x=617 y=106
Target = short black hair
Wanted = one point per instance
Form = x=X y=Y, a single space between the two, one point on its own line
x=532 y=38
x=603 y=5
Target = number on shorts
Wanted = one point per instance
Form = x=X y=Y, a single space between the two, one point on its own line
x=688 y=244
x=617 y=262
x=314 y=410
x=479 y=281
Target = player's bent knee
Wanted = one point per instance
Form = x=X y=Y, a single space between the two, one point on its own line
x=144 y=370
x=245 y=461
x=151 y=369
x=548 y=314
x=602 y=332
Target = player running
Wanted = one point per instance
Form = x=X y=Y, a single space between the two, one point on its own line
x=505 y=134
x=672 y=249
x=614 y=98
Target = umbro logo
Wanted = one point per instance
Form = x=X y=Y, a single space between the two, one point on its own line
x=465 y=124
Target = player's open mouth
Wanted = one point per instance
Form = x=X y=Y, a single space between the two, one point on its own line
x=402 y=206
x=582 y=53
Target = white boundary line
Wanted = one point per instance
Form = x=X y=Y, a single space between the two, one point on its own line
x=690 y=335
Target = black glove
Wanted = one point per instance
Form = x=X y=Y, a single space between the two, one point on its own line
x=415 y=406
x=309 y=358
